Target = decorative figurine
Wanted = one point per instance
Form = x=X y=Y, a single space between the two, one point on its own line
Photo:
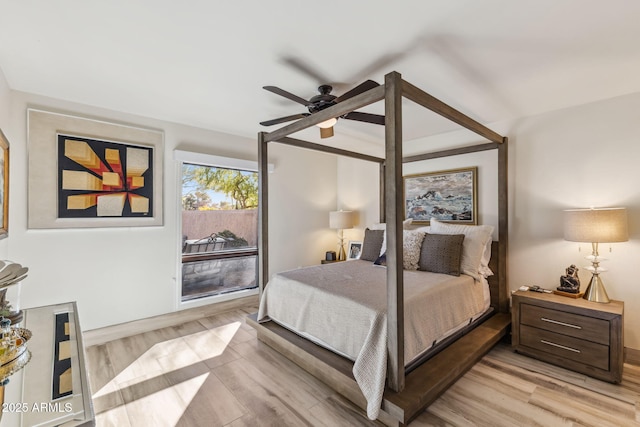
x=571 y=282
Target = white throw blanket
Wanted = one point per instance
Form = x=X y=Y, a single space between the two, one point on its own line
x=342 y=306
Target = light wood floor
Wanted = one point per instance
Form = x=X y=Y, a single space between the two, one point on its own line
x=214 y=372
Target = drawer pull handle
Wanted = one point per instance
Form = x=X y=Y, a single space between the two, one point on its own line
x=564 y=347
x=544 y=319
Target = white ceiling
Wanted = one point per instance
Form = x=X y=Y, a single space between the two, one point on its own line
x=203 y=63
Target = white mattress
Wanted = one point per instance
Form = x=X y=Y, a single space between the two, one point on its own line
x=342 y=306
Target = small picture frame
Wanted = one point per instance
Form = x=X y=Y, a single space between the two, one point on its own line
x=354 y=250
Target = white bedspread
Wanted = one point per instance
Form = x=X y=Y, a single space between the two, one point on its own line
x=343 y=307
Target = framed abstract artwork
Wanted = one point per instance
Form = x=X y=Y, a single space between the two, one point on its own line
x=98 y=179
x=92 y=173
x=449 y=196
x=4 y=186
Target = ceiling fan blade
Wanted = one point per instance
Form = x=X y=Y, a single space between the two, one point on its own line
x=362 y=87
x=284 y=119
x=306 y=68
x=287 y=95
x=326 y=132
x=365 y=117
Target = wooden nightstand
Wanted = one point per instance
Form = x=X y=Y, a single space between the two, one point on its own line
x=576 y=334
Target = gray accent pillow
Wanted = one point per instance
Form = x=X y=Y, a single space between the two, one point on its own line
x=441 y=253
x=372 y=244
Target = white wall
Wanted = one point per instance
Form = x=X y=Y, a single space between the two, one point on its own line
x=302 y=192
x=4 y=100
x=581 y=157
x=122 y=274
x=578 y=157
x=358 y=191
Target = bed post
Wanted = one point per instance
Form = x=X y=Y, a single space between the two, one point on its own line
x=393 y=218
x=503 y=225
x=383 y=197
x=263 y=211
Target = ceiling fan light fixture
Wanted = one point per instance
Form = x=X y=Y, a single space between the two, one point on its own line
x=326 y=132
x=327 y=123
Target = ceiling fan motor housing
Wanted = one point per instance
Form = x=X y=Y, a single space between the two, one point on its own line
x=323 y=100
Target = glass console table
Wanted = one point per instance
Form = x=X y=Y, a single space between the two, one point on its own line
x=52 y=389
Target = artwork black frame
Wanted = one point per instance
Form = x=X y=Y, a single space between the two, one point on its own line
x=125 y=189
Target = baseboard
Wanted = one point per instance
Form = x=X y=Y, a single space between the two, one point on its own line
x=109 y=333
x=632 y=356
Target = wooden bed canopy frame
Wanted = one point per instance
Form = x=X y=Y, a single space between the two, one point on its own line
x=406 y=394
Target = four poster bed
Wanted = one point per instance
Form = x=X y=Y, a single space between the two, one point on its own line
x=377 y=344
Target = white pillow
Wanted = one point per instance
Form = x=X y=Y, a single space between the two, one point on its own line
x=383 y=225
x=426 y=229
x=486 y=257
x=411 y=247
x=476 y=240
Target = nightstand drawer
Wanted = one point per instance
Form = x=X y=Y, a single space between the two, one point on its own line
x=573 y=325
x=587 y=352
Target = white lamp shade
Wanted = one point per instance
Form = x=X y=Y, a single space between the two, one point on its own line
x=341 y=219
x=596 y=225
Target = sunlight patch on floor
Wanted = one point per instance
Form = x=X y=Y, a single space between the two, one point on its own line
x=173 y=355
x=165 y=407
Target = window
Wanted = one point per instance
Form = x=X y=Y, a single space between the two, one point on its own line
x=219 y=230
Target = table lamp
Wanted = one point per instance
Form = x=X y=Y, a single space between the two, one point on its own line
x=596 y=226
x=340 y=220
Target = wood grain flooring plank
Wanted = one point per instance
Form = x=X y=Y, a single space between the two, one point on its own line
x=113 y=417
x=484 y=403
x=209 y=343
x=263 y=398
x=253 y=421
x=187 y=328
x=226 y=318
x=132 y=357
x=269 y=360
x=106 y=394
x=213 y=406
x=337 y=411
x=154 y=401
x=502 y=381
x=179 y=356
x=230 y=328
x=577 y=411
x=297 y=393
x=428 y=419
x=102 y=368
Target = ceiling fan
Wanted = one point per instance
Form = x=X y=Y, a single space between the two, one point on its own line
x=325 y=100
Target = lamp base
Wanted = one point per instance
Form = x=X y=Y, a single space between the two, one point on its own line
x=595 y=291
x=342 y=255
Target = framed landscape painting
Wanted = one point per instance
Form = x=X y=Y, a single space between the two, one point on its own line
x=449 y=196
x=4 y=186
